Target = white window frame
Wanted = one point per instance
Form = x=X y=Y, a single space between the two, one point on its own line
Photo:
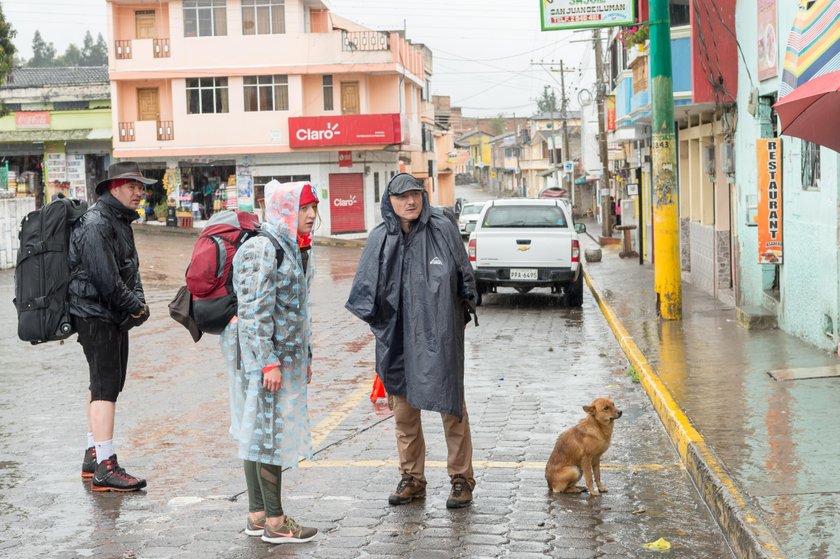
x=276 y=83
x=329 y=91
x=219 y=87
x=194 y=9
x=252 y=7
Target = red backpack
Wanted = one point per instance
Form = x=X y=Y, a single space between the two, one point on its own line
x=210 y=273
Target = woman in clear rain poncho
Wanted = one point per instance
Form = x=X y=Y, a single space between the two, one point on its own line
x=268 y=353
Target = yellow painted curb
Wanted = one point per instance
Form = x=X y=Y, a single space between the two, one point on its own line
x=747 y=534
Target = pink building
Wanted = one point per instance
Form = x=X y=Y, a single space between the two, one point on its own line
x=218 y=97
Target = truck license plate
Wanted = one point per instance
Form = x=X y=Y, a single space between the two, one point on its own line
x=523 y=274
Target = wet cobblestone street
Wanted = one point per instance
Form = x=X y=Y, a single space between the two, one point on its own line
x=530 y=367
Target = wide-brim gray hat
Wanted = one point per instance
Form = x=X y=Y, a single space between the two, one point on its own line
x=403 y=183
x=123 y=170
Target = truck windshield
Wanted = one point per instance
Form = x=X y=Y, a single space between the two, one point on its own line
x=524 y=216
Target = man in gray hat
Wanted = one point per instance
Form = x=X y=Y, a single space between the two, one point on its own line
x=415 y=288
x=106 y=301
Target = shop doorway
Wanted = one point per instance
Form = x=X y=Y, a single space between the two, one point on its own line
x=206 y=187
x=347 y=203
x=350 y=98
x=148 y=103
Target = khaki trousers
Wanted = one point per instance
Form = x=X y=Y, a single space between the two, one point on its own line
x=411 y=445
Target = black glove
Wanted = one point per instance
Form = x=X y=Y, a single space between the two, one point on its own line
x=133 y=320
x=470 y=312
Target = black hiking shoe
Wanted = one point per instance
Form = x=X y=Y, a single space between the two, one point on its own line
x=89 y=463
x=408 y=489
x=461 y=494
x=109 y=476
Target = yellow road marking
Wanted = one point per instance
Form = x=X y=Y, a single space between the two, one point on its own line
x=478 y=464
x=326 y=426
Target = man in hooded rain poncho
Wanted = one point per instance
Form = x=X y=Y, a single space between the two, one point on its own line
x=415 y=288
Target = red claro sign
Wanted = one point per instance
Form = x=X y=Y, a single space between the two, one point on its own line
x=344 y=130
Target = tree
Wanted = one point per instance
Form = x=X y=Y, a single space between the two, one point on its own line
x=72 y=56
x=94 y=54
x=87 y=49
x=547 y=103
x=499 y=124
x=43 y=53
x=7 y=47
x=7 y=50
x=99 y=56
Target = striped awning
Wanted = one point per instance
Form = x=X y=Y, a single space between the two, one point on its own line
x=813 y=47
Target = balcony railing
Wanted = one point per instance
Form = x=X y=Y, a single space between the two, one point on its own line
x=123 y=49
x=165 y=130
x=127 y=132
x=161 y=48
x=365 y=41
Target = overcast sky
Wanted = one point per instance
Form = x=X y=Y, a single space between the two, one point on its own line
x=482 y=49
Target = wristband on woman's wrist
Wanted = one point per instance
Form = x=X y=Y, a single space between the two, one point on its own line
x=268 y=368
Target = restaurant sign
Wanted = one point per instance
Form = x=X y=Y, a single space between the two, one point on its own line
x=558 y=15
x=769 y=159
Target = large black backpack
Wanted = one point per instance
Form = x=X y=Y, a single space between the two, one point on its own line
x=42 y=275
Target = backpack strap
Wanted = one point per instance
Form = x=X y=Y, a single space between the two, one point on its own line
x=280 y=253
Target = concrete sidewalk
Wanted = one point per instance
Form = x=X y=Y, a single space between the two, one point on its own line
x=752 y=413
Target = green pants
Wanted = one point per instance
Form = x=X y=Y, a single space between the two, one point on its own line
x=264 y=483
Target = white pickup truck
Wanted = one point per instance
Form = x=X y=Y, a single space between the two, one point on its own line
x=528 y=243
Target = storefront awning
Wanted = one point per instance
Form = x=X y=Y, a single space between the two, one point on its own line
x=549 y=171
x=813 y=47
x=32 y=136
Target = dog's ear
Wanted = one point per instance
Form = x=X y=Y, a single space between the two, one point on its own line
x=589 y=409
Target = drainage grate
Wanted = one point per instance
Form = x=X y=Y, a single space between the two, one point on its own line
x=805 y=373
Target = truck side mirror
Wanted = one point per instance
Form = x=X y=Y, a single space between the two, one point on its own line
x=580 y=227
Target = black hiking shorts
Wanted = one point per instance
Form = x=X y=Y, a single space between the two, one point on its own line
x=106 y=350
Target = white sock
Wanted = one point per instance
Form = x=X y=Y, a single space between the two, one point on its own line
x=104 y=450
x=90 y=440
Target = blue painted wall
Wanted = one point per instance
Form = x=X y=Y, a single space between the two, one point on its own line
x=810 y=273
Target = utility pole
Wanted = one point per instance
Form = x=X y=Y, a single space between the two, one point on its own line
x=562 y=84
x=600 y=93
x=666 y=238
x=566 y=154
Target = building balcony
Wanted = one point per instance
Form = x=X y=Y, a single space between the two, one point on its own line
x=365 y=41
x=632 y=91
x=141 y=49
x=145 y=132
x=241 y=55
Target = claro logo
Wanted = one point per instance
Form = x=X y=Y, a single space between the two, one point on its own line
x=327 y=133
x=345 y=202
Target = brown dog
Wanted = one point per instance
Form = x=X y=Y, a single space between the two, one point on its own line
x=578 y=450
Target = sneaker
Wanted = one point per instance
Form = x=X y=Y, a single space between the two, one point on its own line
x=89 y=463
x=254 y=529
x=461 y=494
x=408 y=489
x=109 y=476
x=289 y=532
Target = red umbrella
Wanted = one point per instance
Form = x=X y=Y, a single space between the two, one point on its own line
x=811 y=110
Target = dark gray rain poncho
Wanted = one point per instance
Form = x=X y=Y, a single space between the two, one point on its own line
x=413 y=291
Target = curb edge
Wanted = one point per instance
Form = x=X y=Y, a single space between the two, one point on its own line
x=748 y=536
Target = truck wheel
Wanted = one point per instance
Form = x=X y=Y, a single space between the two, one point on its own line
x=478 y=298
x=574 y=292
x=480 y=290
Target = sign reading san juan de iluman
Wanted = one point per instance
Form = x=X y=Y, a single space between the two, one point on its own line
x=575 y=14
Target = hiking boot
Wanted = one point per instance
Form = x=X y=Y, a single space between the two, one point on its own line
x=289 y=532
x=109 y=476
x=254 y=528
x=408 y=489
x=89 y=463
x=461 y=494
